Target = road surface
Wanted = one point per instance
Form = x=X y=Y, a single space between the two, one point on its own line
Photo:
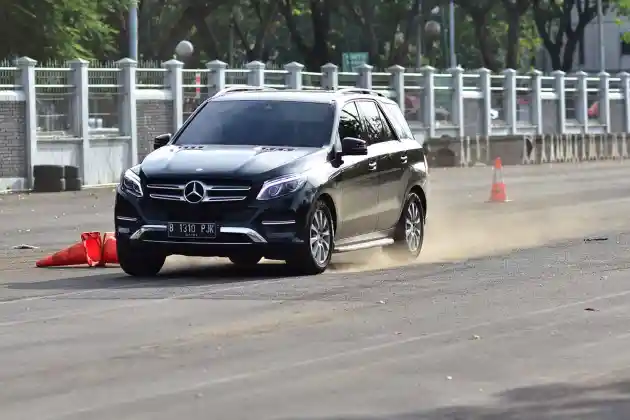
x=510 y=314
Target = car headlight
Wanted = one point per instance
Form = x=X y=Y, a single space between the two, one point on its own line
x=131 y=182
x=281 y=186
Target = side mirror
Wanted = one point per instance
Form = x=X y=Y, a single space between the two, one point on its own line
x=161 y=140
x=351 y=146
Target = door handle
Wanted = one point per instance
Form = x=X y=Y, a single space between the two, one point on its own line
x=372 y=166
x=403 y=159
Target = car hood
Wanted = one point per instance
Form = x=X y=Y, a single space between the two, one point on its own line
x=220 y=161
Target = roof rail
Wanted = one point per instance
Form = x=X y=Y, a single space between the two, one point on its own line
x=361 y=90
x=239 y=89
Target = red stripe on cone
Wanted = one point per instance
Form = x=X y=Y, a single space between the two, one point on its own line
x=109 y=254
x=498 y=192
x=88 y=251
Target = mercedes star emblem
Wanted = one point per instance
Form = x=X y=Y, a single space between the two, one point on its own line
x=194 y=192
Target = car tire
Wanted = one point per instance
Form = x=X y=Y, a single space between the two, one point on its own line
x=73 y=184
x=48 y=171
x=48 y=185
x=245 y=260
x=315 y=259
x=409 y=232
x=70 y=172
x=138 y=260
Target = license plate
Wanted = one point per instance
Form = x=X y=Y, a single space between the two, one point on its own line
x=192 y=230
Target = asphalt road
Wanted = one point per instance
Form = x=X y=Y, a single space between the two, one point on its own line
x=510 y=314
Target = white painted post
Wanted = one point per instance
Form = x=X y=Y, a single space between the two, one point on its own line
x=294 y=75
x=80 y=119
x=216 y=76
x=129 y=126
x=330 y=77
x=173 y=81
x=27 y=80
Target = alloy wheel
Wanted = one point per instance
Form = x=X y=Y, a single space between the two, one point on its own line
x=320 y=237
x=413 y=226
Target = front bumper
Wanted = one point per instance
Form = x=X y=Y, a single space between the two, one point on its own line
x=253 y=236
x=271 y=229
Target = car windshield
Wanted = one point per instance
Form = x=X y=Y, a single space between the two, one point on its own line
x=261 y=123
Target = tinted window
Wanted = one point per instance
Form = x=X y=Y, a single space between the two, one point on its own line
x=388 y=134
x=349 y=122
x=372 y=121
x=261 y=123
x=398 y=121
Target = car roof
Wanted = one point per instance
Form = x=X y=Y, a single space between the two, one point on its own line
x=319 y=96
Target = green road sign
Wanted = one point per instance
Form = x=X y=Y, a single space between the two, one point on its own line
x=352 y=60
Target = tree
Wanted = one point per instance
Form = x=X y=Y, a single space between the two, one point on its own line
x=503 y=30
x=561 y=26
x=57 y=29
x=254 y=32
x=481 y=14
x=319 y=12
x=515 y=16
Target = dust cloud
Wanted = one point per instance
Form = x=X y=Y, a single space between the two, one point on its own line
x=457 y=234
x=458 y=230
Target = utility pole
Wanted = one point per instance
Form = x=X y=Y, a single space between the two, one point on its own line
x=419 y=39
x=133 y=29
x=451 y=32
x=600 y=28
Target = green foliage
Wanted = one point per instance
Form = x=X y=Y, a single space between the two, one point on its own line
x=489 y=33
x=61 y=29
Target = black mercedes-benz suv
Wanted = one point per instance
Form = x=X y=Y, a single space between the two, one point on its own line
x=276 y=174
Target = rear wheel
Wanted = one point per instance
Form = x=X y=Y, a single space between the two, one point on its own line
x=245 y=260
x=313 y=256
x=138 y=260
x=409 y=233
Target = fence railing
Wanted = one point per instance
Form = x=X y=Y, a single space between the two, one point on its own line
x=455 y=103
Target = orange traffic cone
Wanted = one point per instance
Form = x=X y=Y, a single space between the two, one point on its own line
x=109 y=254
x=88 y=251
x=497 y=192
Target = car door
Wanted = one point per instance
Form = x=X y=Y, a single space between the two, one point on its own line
x=410 y=154
x=385 y=149
x=357 y=180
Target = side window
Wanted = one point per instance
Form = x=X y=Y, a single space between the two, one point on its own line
x=349 y=122
x=398 y=121
x=374 y=125
x=388 y=134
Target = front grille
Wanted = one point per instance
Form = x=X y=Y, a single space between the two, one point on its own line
x=213 y=191
x=208 y=212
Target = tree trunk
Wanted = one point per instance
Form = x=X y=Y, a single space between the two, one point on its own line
x=320 y=13
x=513 y=37
x=568 y=54
x=485 y=47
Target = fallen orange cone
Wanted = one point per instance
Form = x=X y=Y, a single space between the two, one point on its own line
x=109 y=254
x=88 y=251
x=498 y=193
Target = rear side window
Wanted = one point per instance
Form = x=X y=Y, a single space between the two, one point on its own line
x=374 y=124
x=398 y=121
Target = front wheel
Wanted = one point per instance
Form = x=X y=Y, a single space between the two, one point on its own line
x=138 y=260
x=409 y=233
x=314 y=255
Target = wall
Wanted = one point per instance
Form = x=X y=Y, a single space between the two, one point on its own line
x=12 y=144
x=154 y=117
